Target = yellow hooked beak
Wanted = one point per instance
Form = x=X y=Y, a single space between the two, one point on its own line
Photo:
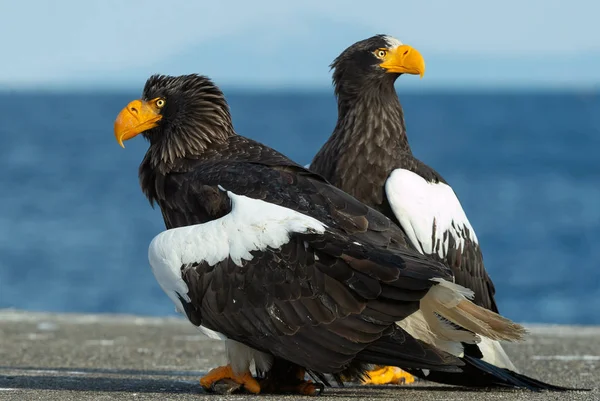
x=404 y=59
x=138 y=116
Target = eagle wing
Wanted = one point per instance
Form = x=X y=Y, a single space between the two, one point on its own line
x=436 y=224
x=291 y=266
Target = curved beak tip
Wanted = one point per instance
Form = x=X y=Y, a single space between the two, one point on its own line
x=119 y=135
x=118 y=130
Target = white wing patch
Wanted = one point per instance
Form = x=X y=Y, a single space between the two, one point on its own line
x=252 y=225
x=427 y=211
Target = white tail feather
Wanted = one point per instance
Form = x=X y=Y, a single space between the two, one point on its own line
x=494 y=353
x=451 y=301
x=428 y=328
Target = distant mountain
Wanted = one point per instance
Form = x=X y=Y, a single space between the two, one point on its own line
x=299 y=56
x=294 y=56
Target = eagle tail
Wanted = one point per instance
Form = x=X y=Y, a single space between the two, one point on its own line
x=450 y=301
x=492 y=352
x=480 y=374
x=502 y=376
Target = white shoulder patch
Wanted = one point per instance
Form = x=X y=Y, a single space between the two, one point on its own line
x=307 y=166
x=252 y=225
x=392 y=42
x=427 y=211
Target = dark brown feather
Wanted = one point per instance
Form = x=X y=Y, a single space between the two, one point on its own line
x=320 y=299
x=369 y=142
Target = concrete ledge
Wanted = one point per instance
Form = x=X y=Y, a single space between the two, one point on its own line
x=49 y=356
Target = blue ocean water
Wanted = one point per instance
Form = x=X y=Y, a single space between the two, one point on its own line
x=75 y=227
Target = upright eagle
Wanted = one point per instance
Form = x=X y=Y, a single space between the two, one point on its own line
x=291 y=272
x=369 y=157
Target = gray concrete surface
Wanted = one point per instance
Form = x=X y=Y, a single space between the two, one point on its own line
x=103 y=357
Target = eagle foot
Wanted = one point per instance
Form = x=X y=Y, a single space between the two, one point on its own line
x=291 y=383
x=388 y=375
x=300 y=387
x=219 y=380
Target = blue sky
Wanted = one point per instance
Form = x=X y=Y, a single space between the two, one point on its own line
x=271 y=43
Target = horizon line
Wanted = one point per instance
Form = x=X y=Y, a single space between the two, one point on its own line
x=314 y=88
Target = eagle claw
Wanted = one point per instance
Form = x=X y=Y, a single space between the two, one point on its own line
x=225 y=387
x=224 y=381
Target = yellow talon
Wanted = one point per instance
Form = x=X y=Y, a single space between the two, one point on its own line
x=225 y=372
x=388 y=375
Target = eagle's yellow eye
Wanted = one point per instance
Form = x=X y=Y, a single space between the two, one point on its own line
x=380 y=53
